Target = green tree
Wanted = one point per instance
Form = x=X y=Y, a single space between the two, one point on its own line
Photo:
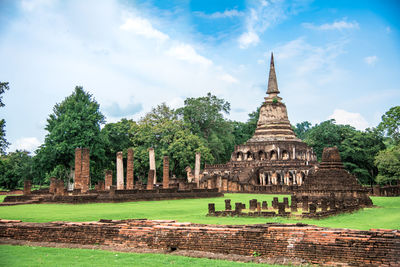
x=117 y=137
x=169 y=137
x=15 y=167
x=75 y=122
x=205 y=118
x=327 y=134
x=357 y=149
x=388 y=164
x=391 y=124
x=3 y=141
x=301 y=129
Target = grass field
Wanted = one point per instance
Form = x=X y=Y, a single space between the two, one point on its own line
x=386 y=215
x=42 y=256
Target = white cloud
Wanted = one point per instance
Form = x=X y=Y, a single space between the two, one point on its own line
x=228 y=78
x=264 y=14
x=336 y=25
x=26 y=143
x=247 y=39
x=371 y=60
x=354 y=119
x=187 y=53
x=143 y=27
x=229 y=13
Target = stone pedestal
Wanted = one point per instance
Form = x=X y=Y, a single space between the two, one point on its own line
x=129 y=170
x=211 y=208
x=228 y=204
x=52 y=188
x=264 y=205
x=108 y=180
x=150 y=178
x=120 y=171
x=165 y=172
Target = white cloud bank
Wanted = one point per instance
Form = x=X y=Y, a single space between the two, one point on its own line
x=27 y=143
x=143 y=27
x=336 y=25
x=354 y=119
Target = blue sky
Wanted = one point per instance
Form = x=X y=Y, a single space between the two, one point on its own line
x=334 y=59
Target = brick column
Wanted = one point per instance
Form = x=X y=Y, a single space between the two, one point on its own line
x=27 y=187
x=197 y=169
x=150 y=180
x=165 y=172
x=120 y=171
x=152 y=164
x=85 y=176
x=108 y=180
x=78 y=169
x=52 y=188
x=129 y=169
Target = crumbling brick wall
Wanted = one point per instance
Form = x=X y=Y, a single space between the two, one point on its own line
x=307 y=243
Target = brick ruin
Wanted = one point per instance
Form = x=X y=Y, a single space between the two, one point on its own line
x=331 y=180
x=296 y=208
x=105 y=191
x=278 y=243
x=274 y=160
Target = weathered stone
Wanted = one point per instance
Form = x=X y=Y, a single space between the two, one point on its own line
x=85 y=169
x=108 y=179
x=152 y=162
x=211 y=208
x=150 y=178
x=264 y=205
x=228 y=204
x=197 y=169
x=129 y=170
x=120 y=171
x=165 y=172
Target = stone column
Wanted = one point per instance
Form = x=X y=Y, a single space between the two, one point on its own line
x=150 y=180
x=120 y=171
x=294 y=153
x=197 y=169
x=152 y=165
x=165 y=172
x=78 y=169
x=108 y=180
x=85 y=169
x=27 y=187
x=129 y=169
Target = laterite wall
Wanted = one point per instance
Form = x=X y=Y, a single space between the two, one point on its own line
x=275 y=241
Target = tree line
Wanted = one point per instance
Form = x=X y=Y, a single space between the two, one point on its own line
x=372 y=155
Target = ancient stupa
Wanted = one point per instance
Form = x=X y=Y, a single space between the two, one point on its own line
x=331 y=179
x=272 y=159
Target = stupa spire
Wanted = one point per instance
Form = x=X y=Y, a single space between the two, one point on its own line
x=272 y=83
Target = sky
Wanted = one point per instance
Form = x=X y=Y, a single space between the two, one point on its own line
x=333 y=59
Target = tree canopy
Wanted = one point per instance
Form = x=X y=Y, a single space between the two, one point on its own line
x=75 y=122
x=3 y=141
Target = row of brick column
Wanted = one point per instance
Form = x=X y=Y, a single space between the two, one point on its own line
x=82 y=170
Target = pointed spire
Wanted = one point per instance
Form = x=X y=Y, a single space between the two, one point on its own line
x=272 y=83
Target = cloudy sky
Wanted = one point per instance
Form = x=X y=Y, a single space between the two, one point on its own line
x=334 y=59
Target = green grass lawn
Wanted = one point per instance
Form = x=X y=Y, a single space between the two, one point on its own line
x=42 y=256
x=387 y=215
